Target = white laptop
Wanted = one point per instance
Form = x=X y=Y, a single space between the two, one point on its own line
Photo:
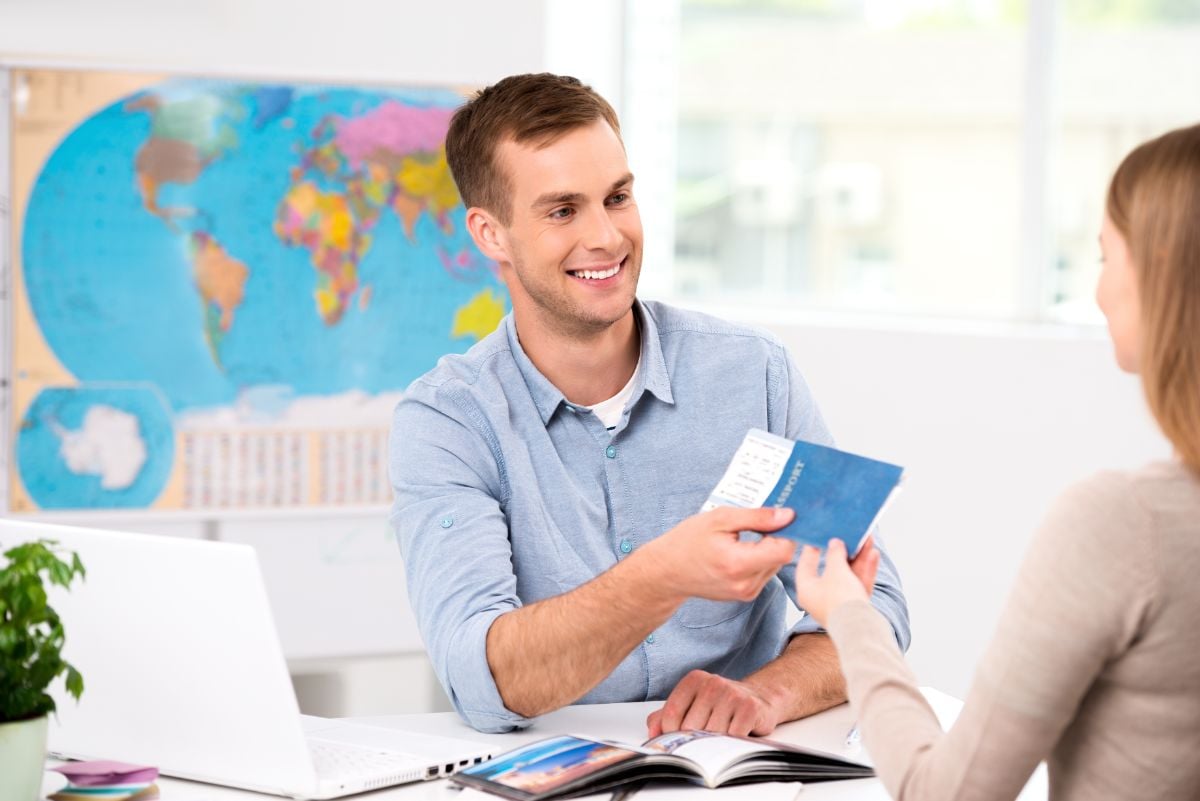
x=183 y=670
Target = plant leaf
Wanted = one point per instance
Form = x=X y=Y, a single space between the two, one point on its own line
x=31 y=633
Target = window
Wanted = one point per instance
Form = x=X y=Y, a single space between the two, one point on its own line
x=1128 y=70
x=938 y=157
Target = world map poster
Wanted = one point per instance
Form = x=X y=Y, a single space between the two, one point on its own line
x=220 y=288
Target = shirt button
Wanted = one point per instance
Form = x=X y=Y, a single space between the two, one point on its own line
x=626 y=546
x=650 y=639
x=611 y=451
x=447 y=522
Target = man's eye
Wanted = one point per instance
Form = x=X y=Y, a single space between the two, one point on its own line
x=618 y=199
x=561 y=214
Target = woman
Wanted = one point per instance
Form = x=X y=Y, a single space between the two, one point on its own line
x=1095 y=665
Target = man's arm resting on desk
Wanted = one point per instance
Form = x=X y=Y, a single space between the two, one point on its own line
x=548 y=654
x=805 y=679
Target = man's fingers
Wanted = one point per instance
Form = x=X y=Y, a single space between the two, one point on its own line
x=721 y=716
x=706 y=699
x=778 y=549
x=672 y=713
x=764 y=557
x=730 y=518
x=762 y=727
x=697 y=716
x=654 y=724
x=748 y=566
x=680 y=701
x=743 y=721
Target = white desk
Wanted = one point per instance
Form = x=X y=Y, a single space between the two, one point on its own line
x=622 y=722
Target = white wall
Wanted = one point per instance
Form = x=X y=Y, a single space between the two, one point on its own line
x=445 y=42
x=990 y=423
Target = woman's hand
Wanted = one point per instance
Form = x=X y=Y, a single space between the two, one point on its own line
x=841 y=581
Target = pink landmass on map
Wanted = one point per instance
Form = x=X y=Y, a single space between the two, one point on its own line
x=393 y=128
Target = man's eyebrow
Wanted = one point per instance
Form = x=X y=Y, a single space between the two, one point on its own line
x=557 y=198
x=563 y=198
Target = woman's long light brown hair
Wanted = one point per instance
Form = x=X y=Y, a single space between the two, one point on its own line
x=1154 y=201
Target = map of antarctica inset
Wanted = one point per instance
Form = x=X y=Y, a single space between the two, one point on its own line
x=235 y=282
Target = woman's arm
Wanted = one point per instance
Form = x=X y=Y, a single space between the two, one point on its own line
x=1080 y=597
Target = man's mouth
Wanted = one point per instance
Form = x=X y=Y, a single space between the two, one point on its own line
x=598 y=274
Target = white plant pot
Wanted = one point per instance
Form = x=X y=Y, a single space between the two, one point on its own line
x=22 y=759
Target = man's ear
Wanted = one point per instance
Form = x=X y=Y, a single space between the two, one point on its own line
x=488 y=234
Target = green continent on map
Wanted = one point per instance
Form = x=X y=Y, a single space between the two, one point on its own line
x=185 y=136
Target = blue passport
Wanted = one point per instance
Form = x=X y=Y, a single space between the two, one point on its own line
x=834 y=493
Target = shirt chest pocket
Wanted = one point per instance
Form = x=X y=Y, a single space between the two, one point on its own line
x=697 y=613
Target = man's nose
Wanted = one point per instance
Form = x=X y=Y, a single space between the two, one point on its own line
x=601 y=233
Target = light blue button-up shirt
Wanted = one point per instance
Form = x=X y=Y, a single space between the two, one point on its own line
x=506 y=493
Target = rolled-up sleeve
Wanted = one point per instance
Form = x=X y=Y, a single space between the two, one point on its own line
x=794 y=414
x=448 y=518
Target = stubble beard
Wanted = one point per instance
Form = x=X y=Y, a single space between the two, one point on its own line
x=561 y=313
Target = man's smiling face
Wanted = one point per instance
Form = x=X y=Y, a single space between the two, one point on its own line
x=574 y=242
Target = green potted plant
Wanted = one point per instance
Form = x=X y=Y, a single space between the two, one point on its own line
x=31 y=642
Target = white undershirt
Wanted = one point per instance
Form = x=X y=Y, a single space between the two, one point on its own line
x=610 y=411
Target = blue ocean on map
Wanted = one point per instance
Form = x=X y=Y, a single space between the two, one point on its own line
x=202 y=244
x=58 y=420
x=113 y=285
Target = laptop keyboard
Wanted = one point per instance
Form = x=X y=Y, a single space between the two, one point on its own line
x=334 y=760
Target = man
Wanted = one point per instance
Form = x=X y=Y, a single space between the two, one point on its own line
x=546 y=482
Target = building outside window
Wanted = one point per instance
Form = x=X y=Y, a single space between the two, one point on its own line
x=932 y=157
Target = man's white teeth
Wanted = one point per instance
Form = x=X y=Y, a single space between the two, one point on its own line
x=598 y=275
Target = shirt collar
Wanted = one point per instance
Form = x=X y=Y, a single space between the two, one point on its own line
x=548 y=397
x=654 y=365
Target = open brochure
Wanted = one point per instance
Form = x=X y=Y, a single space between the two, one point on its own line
x=562 y=767
x=834 y=493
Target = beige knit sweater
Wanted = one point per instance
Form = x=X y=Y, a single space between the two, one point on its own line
x=1094 y=667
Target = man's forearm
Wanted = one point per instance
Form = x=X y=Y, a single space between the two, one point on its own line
x=548 y=654
x=805 y=679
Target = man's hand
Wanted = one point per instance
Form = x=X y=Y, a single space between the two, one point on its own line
x=805 y=679
x=713 y=703
x=702 y=557
x=547 y=654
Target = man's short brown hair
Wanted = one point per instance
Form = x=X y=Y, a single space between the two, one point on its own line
x=536 y=108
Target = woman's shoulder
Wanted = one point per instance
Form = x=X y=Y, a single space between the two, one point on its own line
x=1127 y=504
x=1150 y=485
x=1170 y=477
